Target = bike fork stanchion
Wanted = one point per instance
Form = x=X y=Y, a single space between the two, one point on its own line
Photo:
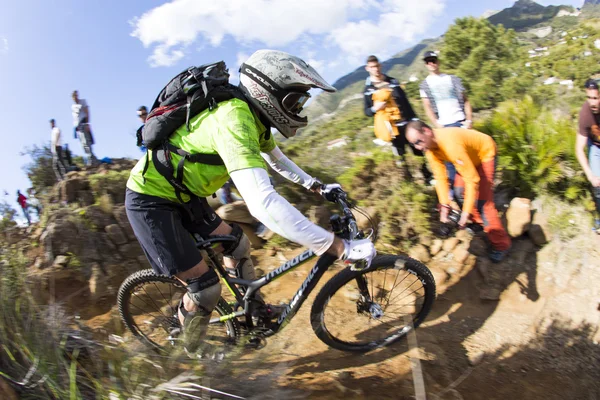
x=415 y=362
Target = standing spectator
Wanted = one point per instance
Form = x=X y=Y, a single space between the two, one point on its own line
x=474 y=155
x=234 y=209
x=386 y=101
x=34 y=202
x=58 y=162
x=22 y=200
x=83 y=130
x=445 y=101
x=589 y=135
x=444 y=97
x=142 y=113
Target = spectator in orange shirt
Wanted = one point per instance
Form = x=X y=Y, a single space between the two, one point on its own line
x=474 y=155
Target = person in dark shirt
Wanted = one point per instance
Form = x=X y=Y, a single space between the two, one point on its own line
x=589 y=135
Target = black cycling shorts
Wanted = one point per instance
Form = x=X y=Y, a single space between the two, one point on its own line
x=164 y=230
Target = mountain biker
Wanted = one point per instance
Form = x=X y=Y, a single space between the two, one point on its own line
x=473 y=154
x=276 y=86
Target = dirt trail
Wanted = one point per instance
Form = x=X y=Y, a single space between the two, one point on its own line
x=539 y=341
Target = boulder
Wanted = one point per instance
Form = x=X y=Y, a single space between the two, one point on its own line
x=450 y=244
x=518 y=216
x=463 y=235
x=461 y=254
x=439 y=275
x=426 y=241
x=115 y=234
x=70 y=188
x=98 y=219
x=436 y=246
x=121 y=216
x=85 y=198
x=420 y=252
x=131 y=250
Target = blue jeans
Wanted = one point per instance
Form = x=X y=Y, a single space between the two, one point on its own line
x=594 y=159
x=450 y=169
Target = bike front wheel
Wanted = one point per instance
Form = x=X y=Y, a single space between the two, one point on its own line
x=363 y=310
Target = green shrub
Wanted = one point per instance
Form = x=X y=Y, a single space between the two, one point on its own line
x=112 y=184
x=535 y=150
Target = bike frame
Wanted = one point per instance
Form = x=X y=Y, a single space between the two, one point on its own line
x=315 y=274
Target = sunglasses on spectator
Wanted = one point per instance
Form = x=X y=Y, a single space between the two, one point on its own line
x=431 y=60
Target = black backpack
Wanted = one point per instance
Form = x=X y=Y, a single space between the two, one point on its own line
x=186 y=95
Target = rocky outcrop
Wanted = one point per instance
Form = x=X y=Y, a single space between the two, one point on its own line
x=518 y=216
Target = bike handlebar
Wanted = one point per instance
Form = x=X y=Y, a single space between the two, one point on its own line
x=341 y=198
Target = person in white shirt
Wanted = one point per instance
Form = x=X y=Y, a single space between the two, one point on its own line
x=83 y=130
x=58 y=162
x=445 y=102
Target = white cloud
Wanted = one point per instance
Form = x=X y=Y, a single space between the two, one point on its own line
x=241 y=57
x=3 y=45
x=164 y=56
x=353 y=27
x=400 y=22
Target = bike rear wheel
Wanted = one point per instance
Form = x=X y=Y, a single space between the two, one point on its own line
x=148 y=304
x=363 y=310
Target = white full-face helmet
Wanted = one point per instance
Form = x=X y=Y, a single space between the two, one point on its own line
x=277 y=84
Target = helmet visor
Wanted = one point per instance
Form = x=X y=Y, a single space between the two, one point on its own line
x=293 y=102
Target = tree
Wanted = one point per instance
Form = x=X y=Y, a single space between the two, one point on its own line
x=487 y=58
x=39 y=170
x=8 y=216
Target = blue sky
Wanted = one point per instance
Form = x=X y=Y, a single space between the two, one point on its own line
x=118 y=54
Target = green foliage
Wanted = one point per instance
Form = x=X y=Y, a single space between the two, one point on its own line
x=39 y=169
x=485 y=57
x=45 y=354
x=402 y=206
x=112 y=183
x=8 y=216
x=534 y=149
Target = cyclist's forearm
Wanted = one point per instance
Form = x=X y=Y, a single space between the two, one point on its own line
x=266 y=205
x=287 y=168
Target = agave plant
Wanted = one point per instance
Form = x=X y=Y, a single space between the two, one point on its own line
x=533 y=148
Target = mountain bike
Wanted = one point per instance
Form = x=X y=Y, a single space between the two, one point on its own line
x=359 y=309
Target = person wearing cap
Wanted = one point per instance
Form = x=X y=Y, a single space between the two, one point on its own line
x=385 y=100
x=58 y=162
x=445 y=102
x=142 y=113
x=589 y=135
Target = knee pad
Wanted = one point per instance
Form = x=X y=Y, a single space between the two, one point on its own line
x=240 y=251
x=241 y=247
x=205 y=291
